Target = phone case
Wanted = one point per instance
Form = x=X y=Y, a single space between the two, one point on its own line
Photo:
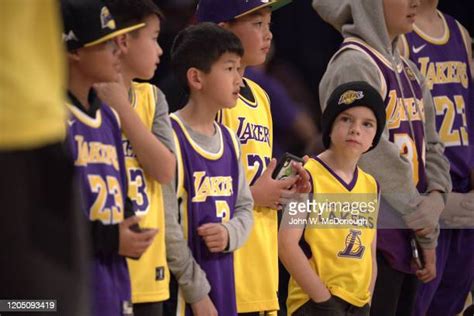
x=283 y=168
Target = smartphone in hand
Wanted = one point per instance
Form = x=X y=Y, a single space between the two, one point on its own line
x=284 y=169
x=416 y=254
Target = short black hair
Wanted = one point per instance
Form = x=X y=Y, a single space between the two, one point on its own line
x=131 y=12
x=200 y=46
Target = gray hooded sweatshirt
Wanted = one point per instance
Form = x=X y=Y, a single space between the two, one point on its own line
x=363 y=20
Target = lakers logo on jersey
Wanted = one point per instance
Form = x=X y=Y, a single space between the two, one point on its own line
x=249 y=131
x=403 y=110
x=354 y=248
x=205 y=186
x=90 y=152
x=443 y=72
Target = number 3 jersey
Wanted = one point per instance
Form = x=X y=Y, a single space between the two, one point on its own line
x=444 y=63
x=149 y=275
x=207 y=189
x=96 y=146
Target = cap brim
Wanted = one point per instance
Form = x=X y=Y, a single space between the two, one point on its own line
x=115 y=34
x=275 y=4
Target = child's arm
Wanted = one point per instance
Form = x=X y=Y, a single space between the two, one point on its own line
x=189 y=275
x=156 y=159
x=438 y=178
x=428 y=273
x=119 y=238
x=295 y=261
x=133 y=244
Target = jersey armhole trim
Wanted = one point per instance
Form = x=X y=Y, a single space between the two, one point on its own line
x=179 y=167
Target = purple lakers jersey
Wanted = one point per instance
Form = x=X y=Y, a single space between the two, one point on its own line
x=404 y=109
x=96 y=147
x=207 y=191
x=444 y=63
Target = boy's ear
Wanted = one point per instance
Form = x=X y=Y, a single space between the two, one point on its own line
x=224 y=25
x=73 y=55
x=194 y=78
x=122 y=42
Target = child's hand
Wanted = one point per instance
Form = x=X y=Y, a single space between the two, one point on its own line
x=204 y=307
x=114 y=94
x=428 y=272
x=425 y=219
x=215 y=236
x=302 y=184
x=133 y=244
x=268 y=192
x=324 y=296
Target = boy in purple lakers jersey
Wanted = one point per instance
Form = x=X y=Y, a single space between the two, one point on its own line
x=408 y=163
x=95 y=142
x=214 y=199
x=441 y=49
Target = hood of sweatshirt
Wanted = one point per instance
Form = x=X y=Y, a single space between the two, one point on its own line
x=358 y=18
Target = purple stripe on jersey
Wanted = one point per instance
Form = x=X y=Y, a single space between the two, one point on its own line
x=395 y=243
x=202 y=208
x=446 y=68
x=349 y=186
x=100 y=168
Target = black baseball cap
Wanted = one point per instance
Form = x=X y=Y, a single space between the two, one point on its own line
x=349 y=95
x=89 y=22
x=226 y=10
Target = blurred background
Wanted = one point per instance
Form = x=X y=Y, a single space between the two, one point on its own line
x=303 y=45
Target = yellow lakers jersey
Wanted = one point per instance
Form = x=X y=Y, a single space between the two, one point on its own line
x=32 y=75
x=149 y=275
x=256 y=263
x=340 y=252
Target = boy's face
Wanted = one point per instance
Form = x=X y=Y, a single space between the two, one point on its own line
x=399 y=16
x=99 y=63
x=143 y=54
x=222 y=84
x=354 y=130
x=253 y=30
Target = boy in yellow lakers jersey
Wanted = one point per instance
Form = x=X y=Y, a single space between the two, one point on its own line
x=333 y=270
x=214 y=198
x=256 y=263
x=147 y=145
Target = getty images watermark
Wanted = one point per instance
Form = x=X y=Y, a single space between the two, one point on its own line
x=332 y=211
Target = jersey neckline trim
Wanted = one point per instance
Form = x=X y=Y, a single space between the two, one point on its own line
x=201 y=151
x=84 y=118
x=435 y=40
x=253 y=104
x=349 y=186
